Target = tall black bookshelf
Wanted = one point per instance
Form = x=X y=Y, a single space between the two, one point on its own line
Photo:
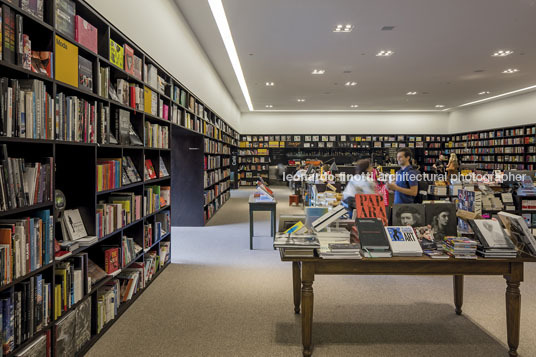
x=175 y=120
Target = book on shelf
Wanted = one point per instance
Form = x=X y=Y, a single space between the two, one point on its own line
x=39 y=347
x=9 y=36
x=108 y=173
x=73 y=330
x=403 y=241
x=163 y=171
x=130 y=283
x=66 y=58
x=65 y=17
x=76 y=119
x=41 y=62
x=164 y=253
x=85 y=34
x=111 y=260
x=137 y=67
x=116 y=54
x=129 y=250
x=85 y=74
x=150 y=172
x=129 y=59
x=72 y=275
x=131 y=174
x=33 y=7
x=94 y=273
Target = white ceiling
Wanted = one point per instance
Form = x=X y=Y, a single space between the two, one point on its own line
x=439 y=46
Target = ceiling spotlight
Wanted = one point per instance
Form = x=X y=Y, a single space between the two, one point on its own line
x=354 y=106
x=318 y=71
x=484 y=92
x=269 y=106
x=345 y=28
x=510 y=70
x=350 y=84
x=384 y=53
x=301 y=100
x=411 y=93
x=269 y=84
x=502 y=53
x=440 y=106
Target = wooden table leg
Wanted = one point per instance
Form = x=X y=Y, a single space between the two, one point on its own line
x=458 y=293
x=296 y=282
x=513 y=306
x=308 y=276
x=250 y=229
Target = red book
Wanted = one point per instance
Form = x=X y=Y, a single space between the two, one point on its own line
x=150 y=169
x=111 y=260
x=129 y=59
x=85 y=33
x=370 y=206
x=132 y=96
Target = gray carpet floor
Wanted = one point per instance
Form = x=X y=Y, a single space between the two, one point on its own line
x=218 y=298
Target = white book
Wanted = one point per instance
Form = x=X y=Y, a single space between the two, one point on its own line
x=74 y=225
x=403 y=241
x=518 y=230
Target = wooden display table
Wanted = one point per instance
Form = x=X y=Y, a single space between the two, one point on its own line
x=305 y=269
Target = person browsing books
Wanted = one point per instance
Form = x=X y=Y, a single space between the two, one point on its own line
x=360 y=183
x=406 y=186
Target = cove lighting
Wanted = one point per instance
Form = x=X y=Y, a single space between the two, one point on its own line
x=499 y=96
x=216 y=6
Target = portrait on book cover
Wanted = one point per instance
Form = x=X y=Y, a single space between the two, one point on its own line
x=442 y=218
x=408 y=215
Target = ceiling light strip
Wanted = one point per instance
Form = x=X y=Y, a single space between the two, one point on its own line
x=498 y=96
x=352 y=111
x=216 y=6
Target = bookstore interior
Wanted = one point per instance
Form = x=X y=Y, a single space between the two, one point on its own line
x=386 y=138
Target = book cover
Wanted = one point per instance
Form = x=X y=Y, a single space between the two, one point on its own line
x=442 y=218
x=123 y=127
x=403 y=241
x=116 y=54
x=94 y=272
x=111 y=260
x=27 y=53
x=407 y=215
x=371 y=233
x=41 y=62
x=426 y=237
x=85 y=74
x=129 y=59
x=520 y=233
x=162 y=168
x=19 y=42
x=370 y=206
x=490 y=233
x=8 y=38
x=66 y=61
x=65 y=339
x=137 y=67
x=83 y=324
x=151 y=174
x=85 y=33
x=34 y=7
x=65 y=14
x=74 y=224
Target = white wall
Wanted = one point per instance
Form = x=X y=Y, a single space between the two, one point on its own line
x=158 y=28
x=511 y=111
x=344 y=123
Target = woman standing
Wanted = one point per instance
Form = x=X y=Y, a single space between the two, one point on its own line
x=453 y=166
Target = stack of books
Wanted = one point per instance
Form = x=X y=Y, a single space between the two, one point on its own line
x=341 y=251
x=373 y=238
x=460 y=247
x=296 y=246
x=493 y=241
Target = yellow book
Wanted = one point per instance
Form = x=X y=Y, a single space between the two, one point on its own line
x=295 y=228
x=66 y=61
x=116 y=54
x=57 y=301
x=148 y=99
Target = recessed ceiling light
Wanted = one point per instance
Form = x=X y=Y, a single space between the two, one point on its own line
x=484 y=92
x=301 y=100
x=502 y=53
x=345 y=28
x=384 y=53
x=350 y=84
x=411 y=93
x=269 y=106
x=354 y=106
x=319 y=71
x=510 y=70
x=269 y=84
x=440 y=106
